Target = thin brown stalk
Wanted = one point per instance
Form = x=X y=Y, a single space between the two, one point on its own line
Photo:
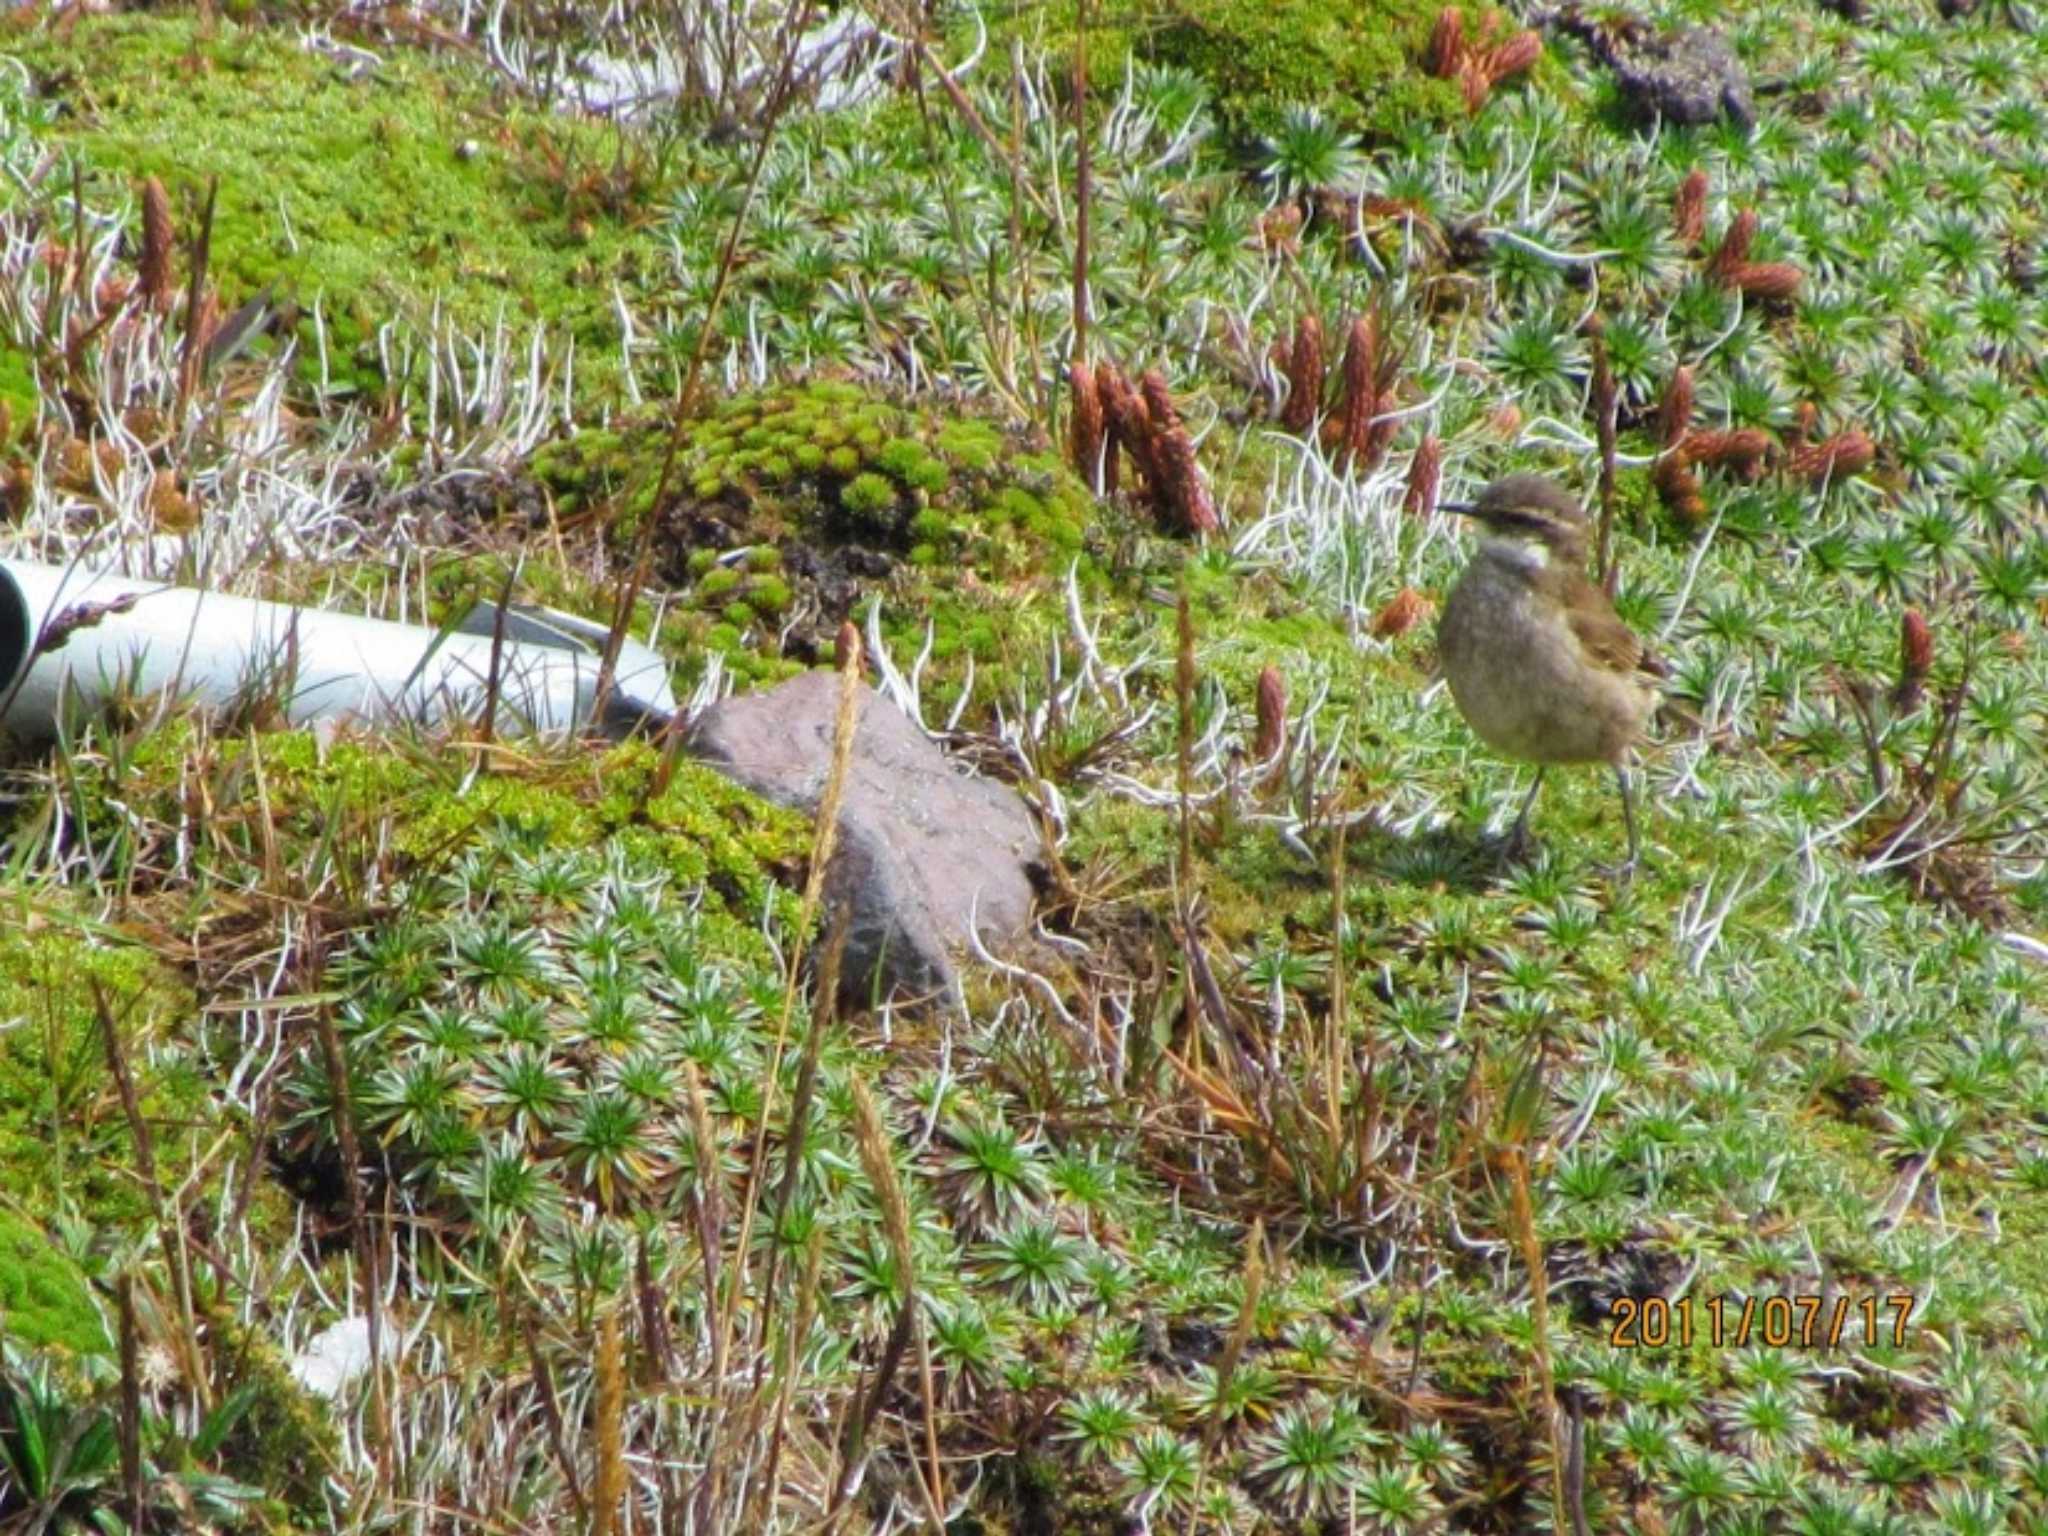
x=795 y=24
x=194 y=350
x=933 y=1477
x=824 y=838
x=1334 y=1027
x=153 y=269
x=710 y=1197
x=359 y=1223
x=1606 y=413
x=1539 y=1301
x=1020 y=267
x=1575 y=1464
x=1184 y=746
x=871 y=1141
x=908 y=26
x=608 y=1493
x=791 y=1355
x=1083 y=182
x=131 y=1401
x=487 y=727
x=1233 y=1350
x=1518 y=1123
x=656 y=1349
x=794 y=1143
x=798 y=1135
x=551 y=1415
x=170 y=1234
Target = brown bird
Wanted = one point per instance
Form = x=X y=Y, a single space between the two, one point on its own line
x=1541 y=666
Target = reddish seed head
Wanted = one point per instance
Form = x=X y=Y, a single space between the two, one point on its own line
x=1447 y=43
x=1733 y=250
x=1841 y=457
x=1361 y=386
x=1304 y=375
x=153 y=270
x=1088 y=426
x=1425 y=473
x=1513 y=56
x=1916 y=644
x=1404 y=610
x=1674 y=411
x=1689 y=210
x=1272 y=714
x=1742 y=450
x=1767 y=279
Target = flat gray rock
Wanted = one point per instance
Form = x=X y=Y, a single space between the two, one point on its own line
x=1688 y=76
x=922 y=846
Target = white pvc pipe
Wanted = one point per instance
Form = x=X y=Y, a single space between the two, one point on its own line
x=216 y=650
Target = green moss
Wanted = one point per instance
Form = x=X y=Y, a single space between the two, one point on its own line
x=1358 y=59
x=1013 y=503
x=64 y=1141
x=285 y=1440
x=908 y=461
x=939 y=489
x=44 y=1302
x=974 y=445
x=17 y=391
x=407 y=184
x=769 y=595
x=703 y=831
x=867 y=494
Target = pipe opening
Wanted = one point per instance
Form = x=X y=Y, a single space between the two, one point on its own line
x=17 y=633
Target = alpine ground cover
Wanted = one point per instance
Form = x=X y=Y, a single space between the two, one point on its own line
x=1236 y=1210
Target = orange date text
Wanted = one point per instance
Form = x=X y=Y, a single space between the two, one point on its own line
x=1774 y=1322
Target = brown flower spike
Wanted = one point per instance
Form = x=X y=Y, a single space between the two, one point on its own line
x=1689 y=210
x=1404 y=610
x=153 y=270
x=1916 y=659
x=1841 y=457
x=1272 y=716
x=1304 y=376
x=1181 y=499
x=1086 y=441
x=1733 y=252
x=1744 y=450
x=1766 y=279
x=1425 y=473
x=1674 y=411
x=1124 y=415
x=1477 y=62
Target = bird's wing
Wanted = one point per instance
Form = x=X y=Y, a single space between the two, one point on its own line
x=1607 y=641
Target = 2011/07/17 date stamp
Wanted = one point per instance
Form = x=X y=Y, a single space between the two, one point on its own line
x=1777 y=1322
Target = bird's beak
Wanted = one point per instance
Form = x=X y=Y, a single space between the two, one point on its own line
x=1462 y=508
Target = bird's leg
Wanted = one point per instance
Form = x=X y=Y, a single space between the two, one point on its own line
x=1518 y=839
x=1628 y=819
